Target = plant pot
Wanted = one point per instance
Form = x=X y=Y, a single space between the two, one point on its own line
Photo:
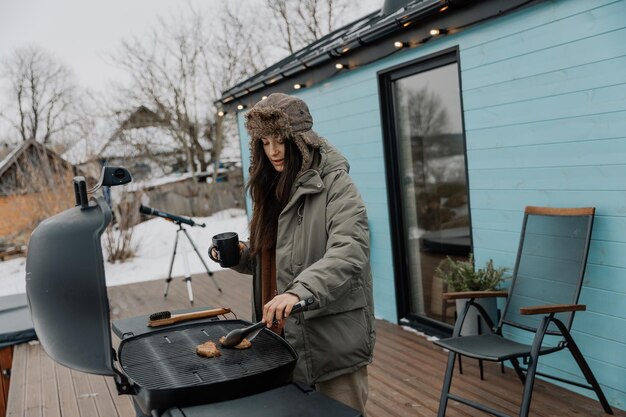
x=474 y=324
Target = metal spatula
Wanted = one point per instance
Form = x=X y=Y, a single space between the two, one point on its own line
x=234 y=337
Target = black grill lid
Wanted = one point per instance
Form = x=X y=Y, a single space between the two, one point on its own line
x=66 y=288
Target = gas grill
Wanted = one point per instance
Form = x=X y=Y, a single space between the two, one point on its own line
x=66 y=289
x=165 y=367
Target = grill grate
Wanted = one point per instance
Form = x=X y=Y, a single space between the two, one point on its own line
x=167 y=359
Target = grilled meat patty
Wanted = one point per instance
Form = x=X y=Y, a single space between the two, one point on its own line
x=208 y=349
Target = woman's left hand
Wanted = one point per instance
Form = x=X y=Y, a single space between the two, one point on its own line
x=279 y=308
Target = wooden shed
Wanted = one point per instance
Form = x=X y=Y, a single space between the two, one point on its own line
x=35 y=183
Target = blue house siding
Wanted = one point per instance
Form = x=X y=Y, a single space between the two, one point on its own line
x=544 y=93
x=544 y=98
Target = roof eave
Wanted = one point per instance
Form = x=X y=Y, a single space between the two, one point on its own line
x=365 y=45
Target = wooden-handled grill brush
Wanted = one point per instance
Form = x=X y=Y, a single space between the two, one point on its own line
x=164 y=318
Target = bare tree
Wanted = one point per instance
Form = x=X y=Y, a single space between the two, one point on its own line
x=181 y=69
x=302 y=22
x=238 y=50
x=167 y=74
x=427 y=113
x=42 y=94
x=118 y=239
x=237 y=53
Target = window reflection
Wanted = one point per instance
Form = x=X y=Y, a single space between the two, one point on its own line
x=434 y=187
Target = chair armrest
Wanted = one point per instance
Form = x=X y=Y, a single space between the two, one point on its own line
x=473 y=294
x=555 y=308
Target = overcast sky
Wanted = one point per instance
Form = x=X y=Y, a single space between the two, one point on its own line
x=82 y=32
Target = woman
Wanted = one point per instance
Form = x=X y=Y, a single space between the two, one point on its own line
x=309 y=238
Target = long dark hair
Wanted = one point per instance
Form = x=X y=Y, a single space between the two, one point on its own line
x=270 y=191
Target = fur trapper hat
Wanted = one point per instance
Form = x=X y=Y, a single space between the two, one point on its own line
x=282 y=115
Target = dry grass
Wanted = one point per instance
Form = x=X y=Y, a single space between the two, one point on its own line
x=118 y=237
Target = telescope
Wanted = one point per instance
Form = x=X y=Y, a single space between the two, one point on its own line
x=179 y=221
x=176 y=219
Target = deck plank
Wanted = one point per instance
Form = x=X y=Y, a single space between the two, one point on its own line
x=405 y=377
x=103 y=400
x=84 y=395
x=17 y=389
x=50 y=388
x=34 y=399
x=68 y=401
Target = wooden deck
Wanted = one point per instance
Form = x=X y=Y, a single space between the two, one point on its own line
x=405 y=378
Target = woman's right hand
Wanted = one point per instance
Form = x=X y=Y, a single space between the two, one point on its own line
x=279 y=308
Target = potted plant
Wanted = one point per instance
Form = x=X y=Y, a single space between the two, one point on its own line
x=462 y=276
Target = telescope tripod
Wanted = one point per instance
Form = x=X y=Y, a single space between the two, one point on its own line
x=187 y=278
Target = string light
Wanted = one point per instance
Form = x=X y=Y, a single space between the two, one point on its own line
x=438 y=31
x=221 y=113
x=263 y=98
x=338 y=52
x=240 y=107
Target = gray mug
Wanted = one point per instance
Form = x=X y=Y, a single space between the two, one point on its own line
x=227 y=247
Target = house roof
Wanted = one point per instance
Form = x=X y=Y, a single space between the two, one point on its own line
x=141 y=118
x=13 y=156
x=366 y=40
x=5 y=149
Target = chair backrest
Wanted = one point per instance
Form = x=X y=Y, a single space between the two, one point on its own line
x=550 y=263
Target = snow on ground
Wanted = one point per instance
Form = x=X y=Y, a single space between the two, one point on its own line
x=422 y=334
x=155 y=239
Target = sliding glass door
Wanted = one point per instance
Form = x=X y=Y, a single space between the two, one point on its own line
x=425 y=147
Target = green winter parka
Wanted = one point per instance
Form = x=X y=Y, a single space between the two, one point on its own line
x=322 y=251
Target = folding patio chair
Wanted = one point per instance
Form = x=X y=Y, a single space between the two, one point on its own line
x=540 y=305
